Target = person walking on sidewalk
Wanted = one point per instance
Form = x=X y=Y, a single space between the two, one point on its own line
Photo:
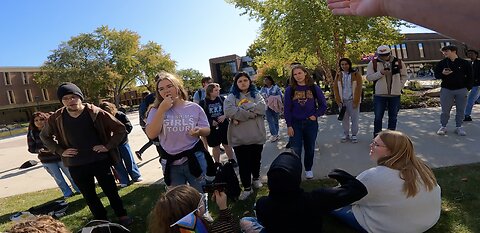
x=148 y=100
x=126 y=165
x=388 y=75
x=304 y=103
x=347 y=88
x=87 y=138
x=456 y=76
x=246 y=132
x=474 y=94
x=274 y=100
x=51 y=162
x=213 y=107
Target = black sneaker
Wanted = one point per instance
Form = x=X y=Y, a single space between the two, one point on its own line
x=139 y=155
x=233 y=162
x=467 y=118
x=288 y=145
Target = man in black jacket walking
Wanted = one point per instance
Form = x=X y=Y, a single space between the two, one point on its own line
x=456 y=76
x=474 y=94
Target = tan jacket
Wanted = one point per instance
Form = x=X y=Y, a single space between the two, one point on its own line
x=110 y=131
x=356 y=88
x=381 y=86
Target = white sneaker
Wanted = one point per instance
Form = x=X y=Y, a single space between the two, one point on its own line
x=244 y=194
x=274 y=138
x=442 y=131
x=344 y=138
x=460 y=131
x=308 y=174
x=257 y=184
x=354 y=139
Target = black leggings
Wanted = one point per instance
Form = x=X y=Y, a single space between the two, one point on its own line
x=248 y=158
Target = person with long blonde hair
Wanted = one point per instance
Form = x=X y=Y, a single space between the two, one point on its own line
x=403 y=194
x=179 y=124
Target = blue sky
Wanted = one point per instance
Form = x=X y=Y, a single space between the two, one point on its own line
x=192 y=31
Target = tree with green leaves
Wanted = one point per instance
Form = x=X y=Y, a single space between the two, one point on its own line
x=104 y=63
x=192 y=79
x=306 y=32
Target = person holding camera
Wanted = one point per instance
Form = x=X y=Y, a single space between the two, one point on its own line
x=182 y=204
x=456 y=76
x=388 y=75
x=347 y=88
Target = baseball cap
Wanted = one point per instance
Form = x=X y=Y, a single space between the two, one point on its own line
x=383 y=49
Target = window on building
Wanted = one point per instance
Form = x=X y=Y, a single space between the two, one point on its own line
x=404 y=51
x=45 y=94
x=399 y=51
x=28 y=93
x=11 y=97
x=443 y=44
x=25 y=78
x=392 y=49
x=8 y=80
x=420 y=49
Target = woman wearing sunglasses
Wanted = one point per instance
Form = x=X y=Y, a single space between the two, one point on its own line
x=403 y=194
x=181 y=208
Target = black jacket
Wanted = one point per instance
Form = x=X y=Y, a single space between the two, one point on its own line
x=288 y=208
x=476 y=72
x=461 y=76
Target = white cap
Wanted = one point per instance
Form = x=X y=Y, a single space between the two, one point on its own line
x=383 y=49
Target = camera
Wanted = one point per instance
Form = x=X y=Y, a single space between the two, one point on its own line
x=210 y=188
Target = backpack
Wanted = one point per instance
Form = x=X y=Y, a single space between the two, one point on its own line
x=55 y=209
x=226 y=174
x=102 y=226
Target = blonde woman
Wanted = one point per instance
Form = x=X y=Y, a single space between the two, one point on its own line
x=179 y=124
x=403 y=194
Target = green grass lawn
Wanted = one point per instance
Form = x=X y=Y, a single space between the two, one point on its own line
x=13 y=132
x=460 y=203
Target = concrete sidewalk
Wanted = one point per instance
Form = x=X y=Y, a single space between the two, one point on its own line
x=420 y=124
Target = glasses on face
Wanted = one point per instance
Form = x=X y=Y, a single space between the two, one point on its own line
x=201 y=203
x=375 y=144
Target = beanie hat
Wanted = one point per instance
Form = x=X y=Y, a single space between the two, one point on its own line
x=68 y=88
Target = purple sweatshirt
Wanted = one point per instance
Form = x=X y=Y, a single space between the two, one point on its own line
x=302 y=105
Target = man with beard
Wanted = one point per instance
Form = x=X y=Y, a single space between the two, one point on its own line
x=87 y=137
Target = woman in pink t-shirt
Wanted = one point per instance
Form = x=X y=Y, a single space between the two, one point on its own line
x=178 y=124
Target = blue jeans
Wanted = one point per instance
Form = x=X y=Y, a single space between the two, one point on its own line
x=180 y=174
x=251 y=225
x=127 y=165
x=473 y=96
x=345 y=214
x=55 y=170
x=304 y=136
x=272 y=119
x=380 y=103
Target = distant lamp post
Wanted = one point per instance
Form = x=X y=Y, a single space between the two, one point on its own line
x=37 y=100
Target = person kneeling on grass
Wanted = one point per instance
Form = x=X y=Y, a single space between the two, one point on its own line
x=181 y=208
x=287 y=208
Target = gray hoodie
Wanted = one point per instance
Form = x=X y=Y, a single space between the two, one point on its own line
x=251 y=127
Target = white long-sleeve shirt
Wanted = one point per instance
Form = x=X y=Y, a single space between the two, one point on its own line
x=386 y=207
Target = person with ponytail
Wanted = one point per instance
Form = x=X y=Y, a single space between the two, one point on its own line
x=403 y=194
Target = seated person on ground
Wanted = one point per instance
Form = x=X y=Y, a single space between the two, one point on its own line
x=287 y=208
